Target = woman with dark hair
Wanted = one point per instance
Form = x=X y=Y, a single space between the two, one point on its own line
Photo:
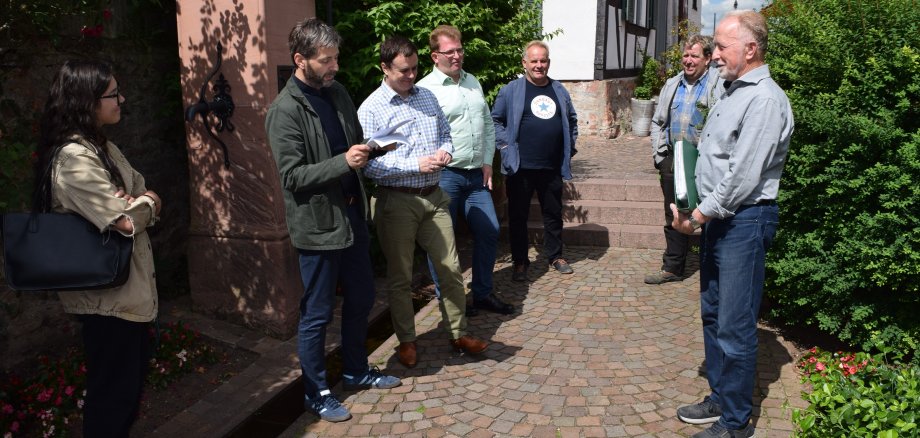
x=90 y=176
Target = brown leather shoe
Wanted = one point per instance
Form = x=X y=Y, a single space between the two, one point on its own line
x=406 y=354
x=469 y=344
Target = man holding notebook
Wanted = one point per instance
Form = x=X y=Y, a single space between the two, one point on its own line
x=678 y=118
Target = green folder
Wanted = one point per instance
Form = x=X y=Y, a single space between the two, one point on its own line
x=685 y=193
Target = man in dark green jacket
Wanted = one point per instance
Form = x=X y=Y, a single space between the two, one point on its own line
x=314 y=133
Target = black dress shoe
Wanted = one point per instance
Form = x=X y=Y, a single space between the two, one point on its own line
x=519 y=273
x=491 y=303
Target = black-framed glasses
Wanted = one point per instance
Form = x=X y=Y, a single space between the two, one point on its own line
x=115 y=94
x=451 y=52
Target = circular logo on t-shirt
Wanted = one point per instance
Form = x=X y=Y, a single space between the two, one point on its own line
x=543 y=107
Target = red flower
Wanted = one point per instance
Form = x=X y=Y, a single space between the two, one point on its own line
x=69 y=390
x=7 y=409
x=106 y=14
x=820 y=366
x=14 y=427
x=45 y=395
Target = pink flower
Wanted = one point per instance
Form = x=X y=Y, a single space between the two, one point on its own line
x=7 y=409
x=14 y=427
x=45 y=395
x=852 y=370
x=820 y=366
x=69 y=390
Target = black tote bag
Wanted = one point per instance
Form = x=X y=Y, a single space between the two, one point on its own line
x=61 y=251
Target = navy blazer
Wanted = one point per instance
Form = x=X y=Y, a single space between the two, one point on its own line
x=507 y=113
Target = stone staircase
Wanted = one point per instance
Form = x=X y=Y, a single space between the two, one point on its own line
x=607 y=213
x=615 y=199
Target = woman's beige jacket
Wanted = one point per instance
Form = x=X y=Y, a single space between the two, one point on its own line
x=81 y=184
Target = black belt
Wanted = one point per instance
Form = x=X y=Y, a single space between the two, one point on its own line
x=421 y=191
x=766 y=202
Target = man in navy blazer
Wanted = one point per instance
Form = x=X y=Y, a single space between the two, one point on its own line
x=535 y=132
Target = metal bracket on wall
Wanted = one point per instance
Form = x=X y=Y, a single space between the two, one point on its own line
x=222 y=105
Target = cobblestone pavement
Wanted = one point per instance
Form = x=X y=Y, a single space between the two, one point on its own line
x=598 y=353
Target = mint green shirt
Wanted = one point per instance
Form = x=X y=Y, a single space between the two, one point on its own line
x=469 y=116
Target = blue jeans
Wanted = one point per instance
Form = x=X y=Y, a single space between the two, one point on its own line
x=467 y=193
x=731 y=283
x=321 y=272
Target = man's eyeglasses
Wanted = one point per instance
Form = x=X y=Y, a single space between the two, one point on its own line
x=458 y=51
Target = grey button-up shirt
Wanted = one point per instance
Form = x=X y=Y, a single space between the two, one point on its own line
x=743 y=145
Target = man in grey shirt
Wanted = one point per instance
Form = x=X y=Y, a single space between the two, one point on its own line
x=742 y=148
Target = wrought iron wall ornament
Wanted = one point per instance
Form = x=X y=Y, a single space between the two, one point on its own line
x=222 y=105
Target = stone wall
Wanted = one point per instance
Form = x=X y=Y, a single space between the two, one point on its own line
x=602 y=105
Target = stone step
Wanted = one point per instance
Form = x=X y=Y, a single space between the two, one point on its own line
x=613 y=190
x=607 y=212
x=600 y=235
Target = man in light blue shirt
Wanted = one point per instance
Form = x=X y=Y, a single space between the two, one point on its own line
x=743 y=148
x=467 y=179
x=410 y=208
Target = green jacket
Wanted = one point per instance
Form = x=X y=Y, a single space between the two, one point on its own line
x=314 y=203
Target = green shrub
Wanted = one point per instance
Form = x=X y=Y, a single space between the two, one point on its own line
x=852 y=395
x=650 y=80
x=494 y=34
x=847 y=257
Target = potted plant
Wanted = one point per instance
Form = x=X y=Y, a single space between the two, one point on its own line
x=642 y=105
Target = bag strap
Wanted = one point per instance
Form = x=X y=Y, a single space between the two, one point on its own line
x=41 y=202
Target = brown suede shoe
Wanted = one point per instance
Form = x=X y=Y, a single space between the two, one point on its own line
x=406 y=354
x=469 y=344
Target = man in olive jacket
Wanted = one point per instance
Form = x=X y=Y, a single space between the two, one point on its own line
x=313 y=131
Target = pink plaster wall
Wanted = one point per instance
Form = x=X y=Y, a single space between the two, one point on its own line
x=242 y=266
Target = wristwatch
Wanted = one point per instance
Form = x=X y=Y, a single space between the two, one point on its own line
x=694 y=223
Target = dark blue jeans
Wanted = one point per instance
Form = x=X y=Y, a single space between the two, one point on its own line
x=520 y=188
x=321 y=272
x=467 y=194
x=731 y=282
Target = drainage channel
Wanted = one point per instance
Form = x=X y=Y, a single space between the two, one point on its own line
x=284 y=409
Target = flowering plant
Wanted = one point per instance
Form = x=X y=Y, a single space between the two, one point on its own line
x=855 y=394
x=816 y=364
x=180 y=352
x=45 y=403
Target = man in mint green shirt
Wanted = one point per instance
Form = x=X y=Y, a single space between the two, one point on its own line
x=468 y=177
